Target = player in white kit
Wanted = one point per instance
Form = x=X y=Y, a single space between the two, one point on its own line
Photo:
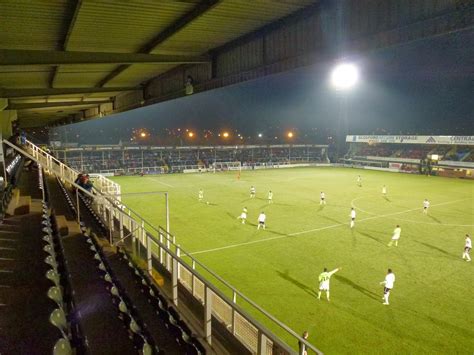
x=384 y=190
x=353 y=217
x=467 y=248
x=426 y=205
x=270 y=196
x=261 y=220
x=359 y=181
x=388 y=285
x=201 y=195
x=396 y=236
x=243 y=215
x=322 y=198
x=252 y=192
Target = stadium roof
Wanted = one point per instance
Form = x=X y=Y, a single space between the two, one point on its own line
x=70 y=60
x=60 y=57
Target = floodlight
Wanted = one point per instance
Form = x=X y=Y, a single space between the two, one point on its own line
x=260 y=135
x=290 y=134
x=344 y=76
x=225 y=134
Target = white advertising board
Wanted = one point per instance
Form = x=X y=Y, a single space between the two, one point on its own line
x=451 y=140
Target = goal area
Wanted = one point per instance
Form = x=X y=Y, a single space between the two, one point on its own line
x=227 y=166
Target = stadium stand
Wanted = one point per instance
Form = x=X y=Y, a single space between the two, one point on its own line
x=109 y=299
x=64 y=289
x=124 y=309
x=149 y=159
x=448 y=159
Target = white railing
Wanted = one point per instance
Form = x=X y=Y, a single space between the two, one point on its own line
x=101 y=183
x=160 y=248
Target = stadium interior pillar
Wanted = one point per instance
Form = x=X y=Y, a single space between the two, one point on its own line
x=6 y=119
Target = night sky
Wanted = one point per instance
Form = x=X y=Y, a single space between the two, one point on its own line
x=425 y=87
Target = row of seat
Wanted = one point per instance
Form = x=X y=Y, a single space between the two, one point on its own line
x=177 y=327
x=95 y=216
x=142 y=341
x=141 y=338
x=55 y=274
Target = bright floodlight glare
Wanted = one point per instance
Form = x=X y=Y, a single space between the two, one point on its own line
x=259 y=135
x=225 y=134
x=344 y=76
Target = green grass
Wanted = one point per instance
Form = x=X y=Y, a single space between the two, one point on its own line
x=432 y=306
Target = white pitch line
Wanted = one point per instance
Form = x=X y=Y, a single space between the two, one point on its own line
x=5 y=248
x=6 y=259
x=161 y=182
x=7 y=240
x=315 y=229
x=418 y=222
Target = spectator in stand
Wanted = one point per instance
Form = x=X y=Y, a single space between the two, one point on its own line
x=78 y=180
x=23 y=138
x=87 y=184
x=189 y=85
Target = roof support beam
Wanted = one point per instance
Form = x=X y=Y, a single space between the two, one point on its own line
x=34 y=57
x=11 y=93
x=171 y=30
x=28 y=106
x=69 y=25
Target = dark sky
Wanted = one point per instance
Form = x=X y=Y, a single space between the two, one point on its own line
x=423 y=87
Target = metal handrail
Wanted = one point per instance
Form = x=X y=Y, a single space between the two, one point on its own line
x=240 y=294
x=119 y=207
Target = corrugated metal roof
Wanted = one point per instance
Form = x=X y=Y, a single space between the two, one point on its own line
x=122 y=27
x=139 y=73
x=114 y=26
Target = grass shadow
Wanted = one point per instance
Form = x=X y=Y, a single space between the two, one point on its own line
x=332 y=220
x=357 y=287
x=435 y=219
x=370 y=237
x=286 y=276
x=387 y=199
x=434 y=248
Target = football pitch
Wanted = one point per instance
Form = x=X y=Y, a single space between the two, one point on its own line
x=431 y=305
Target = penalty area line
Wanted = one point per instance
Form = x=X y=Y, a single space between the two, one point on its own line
x=315 y=229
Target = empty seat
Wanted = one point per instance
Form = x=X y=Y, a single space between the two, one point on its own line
x=58 y=319
x=56 y=295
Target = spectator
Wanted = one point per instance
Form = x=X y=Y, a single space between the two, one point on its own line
x=23 y=138
x=302 y=346
x=189 y=85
